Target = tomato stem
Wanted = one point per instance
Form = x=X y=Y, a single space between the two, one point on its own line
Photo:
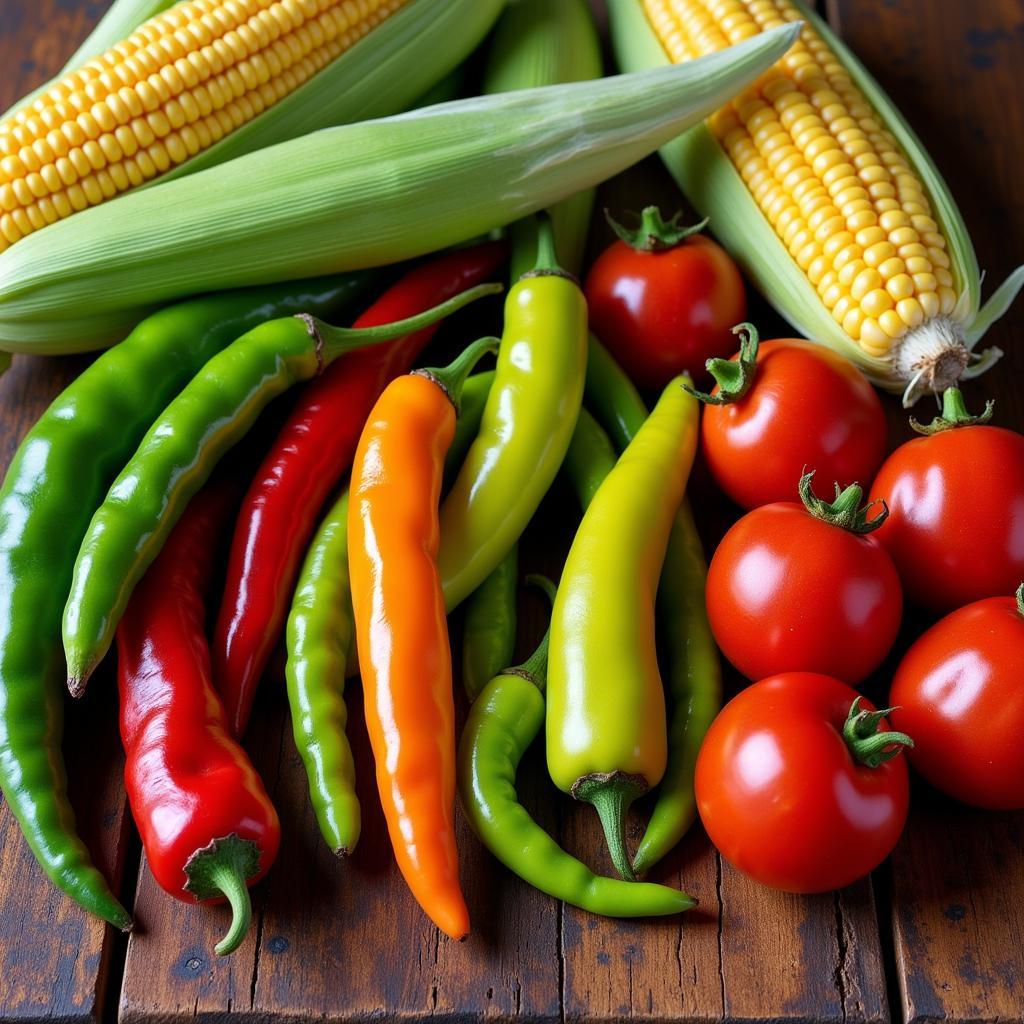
x=867 y=745
x=611 y=793
x=845 y=510
x=954 y=414
x=733 y=376
x=654 y=234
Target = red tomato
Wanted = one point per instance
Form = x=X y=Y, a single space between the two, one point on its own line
x=660 y=313
x=958 y=692
x=781 y=794
x=788 y=592
x=956 y=514
x=807 y=406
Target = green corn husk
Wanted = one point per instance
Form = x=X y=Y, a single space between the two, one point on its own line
x=347 y=198
x=537 y=42
x=705 y=173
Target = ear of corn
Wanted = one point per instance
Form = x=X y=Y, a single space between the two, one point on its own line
x=823 y=193
x=357 y=196
x=208 y=80
x=537 y=42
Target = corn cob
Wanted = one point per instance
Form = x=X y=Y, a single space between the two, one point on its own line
x=248 y=72
x=357 y=196
x=825 y=196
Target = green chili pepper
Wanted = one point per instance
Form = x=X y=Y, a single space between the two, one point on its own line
x=528 y=420
x=319 y=639
x=55 y=481
x=502 y=724
x=489 y=631
x=467 y=426
x=694 y=671
x=179 y=452
x=606 y=731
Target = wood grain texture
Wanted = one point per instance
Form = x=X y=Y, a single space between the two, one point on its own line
x=957 y=72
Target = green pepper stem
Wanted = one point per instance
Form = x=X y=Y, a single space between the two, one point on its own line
x=845 y=510
x=334 y=341
x=452 y=378
x=535 y=668
x=547 y=253
x=611 y=795
x=229 y=880
x=866 y=743
x=1020 y=600
x=954 y=414
x=733 y=376
x=654 y=233
x=222 y=868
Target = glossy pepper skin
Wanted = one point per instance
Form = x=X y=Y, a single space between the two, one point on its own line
x=178 y=453
x=402 y=631
x=528 y=420
x=694 y=668
x=206 y=822
x=305 y=464
x=489 y=626
x=56 y=480
x=320 y=635
x=502 y=724
x=606 y=730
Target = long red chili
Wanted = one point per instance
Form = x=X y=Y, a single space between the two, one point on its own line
x=207 y=825
x=302 y=469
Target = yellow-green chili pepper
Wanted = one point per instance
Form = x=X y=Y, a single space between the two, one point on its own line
x=528 y=420
x=175 y=458
x=694 y=670
x=502 y=724
x=319 y=638
x=606 y=730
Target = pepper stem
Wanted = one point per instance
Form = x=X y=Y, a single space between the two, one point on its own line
x=867 y=745
x=733 y=376
x=954 y=414
x=845 y=510
x=1020 y=600
x=451 y=378
x=547 y=253
x=222 y=869
x=535 y=668
x=611 y=794
x=654 y=233
x=334 y=341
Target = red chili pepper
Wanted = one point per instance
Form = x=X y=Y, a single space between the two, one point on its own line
x=207 y=825
x=312 y=451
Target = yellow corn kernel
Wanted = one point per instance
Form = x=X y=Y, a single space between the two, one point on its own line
x=831 y=180
x=145 y=105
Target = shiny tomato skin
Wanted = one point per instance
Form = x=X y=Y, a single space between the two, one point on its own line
x=807 y=407
x=956 y=515
x=663 y=313
x=959 y=695
x=781 y=796
x=787 y=592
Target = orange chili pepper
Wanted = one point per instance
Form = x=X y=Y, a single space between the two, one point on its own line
x=401 y=629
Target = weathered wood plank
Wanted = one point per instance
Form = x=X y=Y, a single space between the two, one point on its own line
x=55 y=958
x=957 y=72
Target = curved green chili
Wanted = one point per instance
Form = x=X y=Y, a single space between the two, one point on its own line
x=694 y=671
x=57 y=478
x=502 y=724
x=527 y=423
x=489 y=628
x=179 y=452
x=467 y=426
x=319 y=638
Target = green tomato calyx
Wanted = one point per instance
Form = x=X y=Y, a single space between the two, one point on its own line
x=654 y=233
x=733 y=376
x=846 y=510
x=954 y=414
x=866 y=743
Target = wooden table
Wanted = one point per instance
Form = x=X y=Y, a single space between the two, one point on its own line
x=936 y=934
